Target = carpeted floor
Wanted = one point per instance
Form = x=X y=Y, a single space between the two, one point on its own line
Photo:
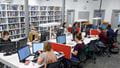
x=105 y=62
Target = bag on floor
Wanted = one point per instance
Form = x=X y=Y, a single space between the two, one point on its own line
x=114 y=49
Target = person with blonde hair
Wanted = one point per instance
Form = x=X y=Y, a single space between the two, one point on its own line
x=33 y=35
x=48 y=56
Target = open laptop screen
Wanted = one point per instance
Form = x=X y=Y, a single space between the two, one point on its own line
x=23 y=53
x=37 y=46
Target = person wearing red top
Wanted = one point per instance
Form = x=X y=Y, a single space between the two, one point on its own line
x=103 y=36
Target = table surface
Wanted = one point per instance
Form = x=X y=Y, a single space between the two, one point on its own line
x=13 y=61
x=71 y=43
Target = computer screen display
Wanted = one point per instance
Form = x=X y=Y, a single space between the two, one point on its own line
x=23 y=53
x=22 y=42
x=61 y=39
x=37 y=46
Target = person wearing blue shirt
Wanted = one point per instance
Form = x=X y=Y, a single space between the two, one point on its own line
x=110 y=34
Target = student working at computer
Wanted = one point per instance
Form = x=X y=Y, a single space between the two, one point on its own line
x=48 y=56
x=5 y=37
x=78 y=47
x=33 y=35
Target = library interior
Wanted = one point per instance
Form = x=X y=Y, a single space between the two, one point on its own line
x=59 y=34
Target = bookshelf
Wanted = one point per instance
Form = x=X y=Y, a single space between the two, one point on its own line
x=12 y=18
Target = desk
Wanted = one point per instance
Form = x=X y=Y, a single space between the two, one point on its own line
x=13 y=61
x=16 y=40
x=71 y=43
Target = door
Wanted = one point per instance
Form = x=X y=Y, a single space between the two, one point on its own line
x=70 y=16
x=83 y=15
x=115 y=19
x=98 y=13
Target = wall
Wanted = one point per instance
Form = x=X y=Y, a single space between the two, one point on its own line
x=110 y=5
x=81 y=5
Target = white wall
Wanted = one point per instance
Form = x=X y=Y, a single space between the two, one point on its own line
x=81 y=5
x=110 y=5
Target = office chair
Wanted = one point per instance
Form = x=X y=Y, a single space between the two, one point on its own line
x=81 y=59
x=55 y=65
x=90 y=51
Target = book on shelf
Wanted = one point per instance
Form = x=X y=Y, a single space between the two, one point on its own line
x=3 y=27
x=12 y=7
x=2 y=6
x=50 y=7
x=13 y=26
x=22 y=13
x=2 y=20
x=43 y=7
x=14 y=32
x=2 y=13
x=13 y=20
x=12 y=13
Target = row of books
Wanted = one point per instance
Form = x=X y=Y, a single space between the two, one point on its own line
x=2 y=13
x=12 y=13
x=13 y=26
x=3 y=27
x=13 y=20
x=14 y=32
x=2 y=20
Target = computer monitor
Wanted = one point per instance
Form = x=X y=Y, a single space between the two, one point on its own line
x=23 y=53
x=37 y=46
x=8 y=48
x=61 y=39
x=22 y=42
x=45 y=36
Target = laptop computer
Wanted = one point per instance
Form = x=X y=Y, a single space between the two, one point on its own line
x=23 y=53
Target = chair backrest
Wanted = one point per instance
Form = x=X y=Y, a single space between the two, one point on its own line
x=54 y=65
x=82 y=54
x=94 y=32
x=62 y=48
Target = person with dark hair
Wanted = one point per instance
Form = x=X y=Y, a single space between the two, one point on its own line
x=5 y=37
x=48 y=56
x=78 y=47
x=74 y=30
x=103 y=36
x=110 y=33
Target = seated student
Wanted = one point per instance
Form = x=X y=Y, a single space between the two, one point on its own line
x=78 y=47
x=103 y=36
x=110 y=34
x=5 y=37
x=48 y=56
x=33 y=35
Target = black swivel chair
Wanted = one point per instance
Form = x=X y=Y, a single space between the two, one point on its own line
x=55 y=65
x=82 y=59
